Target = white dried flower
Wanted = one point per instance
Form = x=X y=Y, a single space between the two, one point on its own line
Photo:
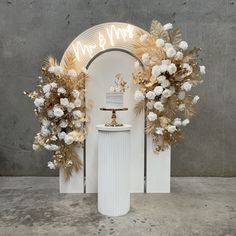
x=195 y=99
x=61 y=135
x=51 y=147
x=159 y=106
x=77 y=114
x=170 y=52
x=202 y=70
x=187 y=67
x=166 y=62
x=166 y=93
x=183 y=45
x=138 y=96
x=160 y=79
x=64 y=102
x=77 y=102
x=152 y=116
x=72 y=73
x=172 y=68
x=61 y=90
x=179 y=56
x=57 y=111
x=160 y=42
x=156 y=71
x=158 y=90
x=45 y=122
x=185 y=122
x=159 y=130
x=171 y=128
x=58 y=70
x=53 y=85
x=165 y=83
x=168 y=26
x=63 y=124
x=150 y=95
x=53 y=138
x=75 y=93
x=44 y=131
x=51 y=69
x=181 y=95
x=177 y=122
x=68 y=139
x=70 y=106
x=76 y=123
x=50 y=113
x=163 y=68
x=51 y=165
x=143 y=38
x=181 y=107
x=46 y=88
x=186 y=86
x=39 y=102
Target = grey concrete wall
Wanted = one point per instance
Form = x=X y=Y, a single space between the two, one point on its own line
x=30 y=30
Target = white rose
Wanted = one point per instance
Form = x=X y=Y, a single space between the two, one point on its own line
x=44 y=131
x=166 y=93
x=51 y=147
x=171 y=128
x=152 y=116
x=143 y=38
x=185 y=122
x=61 y=135
x=186 y=86
x=77 y=114
x=51 y=69
x=58 y=112
x=61 y=90
x=163 y=68
x=63 y=124
x=150 y=95
x=39 y=102
x=70 y=107
x=195 y=99
x=46 y=88
x=158 y=90
x=58 y=70
x=165 y=83
x=161 y=78
x=158 y=106
x=160 y=42
x=181 y=107
x=159 y=130
x=75 y=93
x=150 y=105
x=64 y=101
x=181 y=95
x=138 y=96
x=68 y=139
x=202 y=70
x=72 y=73
x=156 y=71
x=51 y=165
x=177 y=122
x=179 y=56
x=183 y=45
x=53 y=85
x=172 y=68
x=76 y=123
x=168 y=26
x=170 y=52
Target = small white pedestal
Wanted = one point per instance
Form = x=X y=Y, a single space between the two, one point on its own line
x=113 y=170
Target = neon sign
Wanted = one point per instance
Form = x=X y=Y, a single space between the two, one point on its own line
x=107 y=37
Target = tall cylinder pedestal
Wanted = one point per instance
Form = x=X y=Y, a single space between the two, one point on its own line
x=113 y=170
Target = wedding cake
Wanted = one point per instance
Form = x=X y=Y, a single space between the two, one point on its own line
x=115 y=97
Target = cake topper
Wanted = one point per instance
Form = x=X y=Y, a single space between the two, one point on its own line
x=120 y=84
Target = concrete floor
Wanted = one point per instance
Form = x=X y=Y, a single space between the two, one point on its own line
x=196 y=206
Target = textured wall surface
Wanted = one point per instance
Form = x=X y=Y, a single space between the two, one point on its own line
x=30 y=30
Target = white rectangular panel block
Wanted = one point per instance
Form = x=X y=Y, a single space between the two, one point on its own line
x=158 y=169
x=76 y=182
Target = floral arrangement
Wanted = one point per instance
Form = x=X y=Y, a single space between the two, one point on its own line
x=120 y=84
x=165 y=74
x=61 y=111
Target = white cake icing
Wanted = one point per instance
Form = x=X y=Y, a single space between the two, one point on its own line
x=114 y=100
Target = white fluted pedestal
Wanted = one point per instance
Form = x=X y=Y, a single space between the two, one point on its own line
x=113 y=170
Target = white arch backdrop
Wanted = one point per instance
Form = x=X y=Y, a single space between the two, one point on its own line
x=106 y=50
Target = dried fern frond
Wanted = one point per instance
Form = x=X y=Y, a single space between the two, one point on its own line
x=175 y=37
x=158 y=31
x=139 y=107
